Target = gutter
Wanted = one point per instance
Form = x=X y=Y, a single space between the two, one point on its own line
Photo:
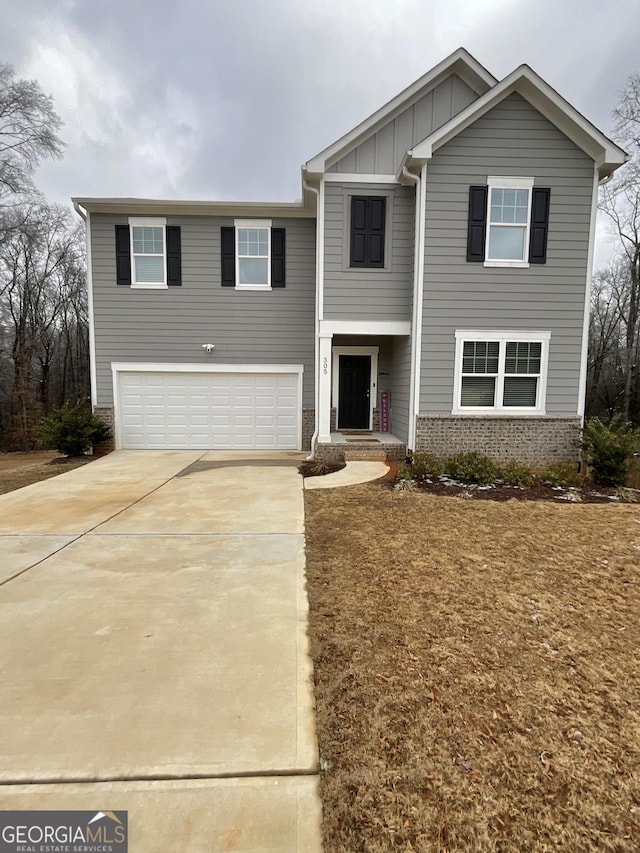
x=314 y=437
x=418 y=288
x=86 y=217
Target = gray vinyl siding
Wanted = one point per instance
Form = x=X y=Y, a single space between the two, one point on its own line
x=513 y=140
x=368 y=294
x=382 y=152
x=170 y=326
x=398 y=382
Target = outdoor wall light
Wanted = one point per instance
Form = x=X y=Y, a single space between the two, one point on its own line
x=209 y=347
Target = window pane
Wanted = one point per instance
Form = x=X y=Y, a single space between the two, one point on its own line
x=520 y=391
x=147 y=240
x=509 y=206
x=480 y=356
x=477 y=391
x=253 y=271
x=506 y=243
x=149 y=269
x=523 y=357
x=253 y=241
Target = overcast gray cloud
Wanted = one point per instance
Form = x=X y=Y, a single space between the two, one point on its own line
x=226 y=99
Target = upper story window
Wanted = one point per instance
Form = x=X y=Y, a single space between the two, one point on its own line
x=148 y=253
x=508 y=223
x=368 y=215
x=501 y=372
x=253 y=255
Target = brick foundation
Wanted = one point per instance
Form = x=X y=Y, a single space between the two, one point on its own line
x=105 y=413
x=535 y=441
x=308 y=426
x=334 y=453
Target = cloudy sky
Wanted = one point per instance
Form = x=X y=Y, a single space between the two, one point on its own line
x=225 y=99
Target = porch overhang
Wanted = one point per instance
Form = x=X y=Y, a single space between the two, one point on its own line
x=365 y=327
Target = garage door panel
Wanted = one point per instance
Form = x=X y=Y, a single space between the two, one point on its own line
x=209 y=410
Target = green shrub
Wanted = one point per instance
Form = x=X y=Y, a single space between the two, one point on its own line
x=73 y=429
x=563 y=474
x=472 y=468
x=427 y=463
x=516 y=473
x=608 y=448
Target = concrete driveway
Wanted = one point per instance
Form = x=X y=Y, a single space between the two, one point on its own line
x=153 y=650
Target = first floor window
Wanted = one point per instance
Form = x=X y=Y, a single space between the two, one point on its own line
x=148 y=251
x=501 y=372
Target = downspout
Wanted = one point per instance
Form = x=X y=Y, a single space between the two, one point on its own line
x=418 y=287
x=86 y=217
x=314 y=437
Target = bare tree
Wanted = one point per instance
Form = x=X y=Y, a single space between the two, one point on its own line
x=28 y=132
x=620 y=200
x=42 y=299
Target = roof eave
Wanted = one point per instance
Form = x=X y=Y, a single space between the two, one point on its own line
x=547 y=101
x=460 y=62
x=168 y=207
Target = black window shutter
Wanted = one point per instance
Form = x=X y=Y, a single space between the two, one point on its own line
x=539 y=225
x=174 y=256
x=277 y=257
x=123 y=255
x=477 y=225
x=228 y=243
x=368 y=215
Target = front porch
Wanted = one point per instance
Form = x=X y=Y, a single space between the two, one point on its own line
x=350 y=446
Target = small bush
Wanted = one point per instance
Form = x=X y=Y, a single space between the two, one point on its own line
x=563 y=474
x=405 y=484
x=516 y=473
x=427 y=463
x=73 y=429
x=472 y=468
x=608 y=448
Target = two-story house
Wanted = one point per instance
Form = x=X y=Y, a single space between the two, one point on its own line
x=429 y=292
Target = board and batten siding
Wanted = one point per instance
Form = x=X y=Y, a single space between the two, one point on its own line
x=169 y=326
x=368 y=294
x=515 y=140
x=383 y=151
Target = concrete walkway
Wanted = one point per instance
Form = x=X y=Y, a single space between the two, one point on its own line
x=153 y=650
x=352 y=474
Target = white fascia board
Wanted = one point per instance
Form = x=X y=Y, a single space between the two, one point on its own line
x=365 y=327
x=169 y=207
x=524 y=81
x=460 y=62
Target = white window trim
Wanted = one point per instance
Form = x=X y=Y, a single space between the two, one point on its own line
x=501 y=337
x=149 y=222
x=508 y=184
x=253 y=223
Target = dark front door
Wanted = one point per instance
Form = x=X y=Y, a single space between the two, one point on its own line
x=355 y=382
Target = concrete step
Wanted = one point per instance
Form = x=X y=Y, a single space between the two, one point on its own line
x=364 y=454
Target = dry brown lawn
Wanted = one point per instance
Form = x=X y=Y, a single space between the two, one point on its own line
x=476 y=669
x=23 y=469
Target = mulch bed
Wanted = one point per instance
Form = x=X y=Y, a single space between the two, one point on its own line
x=543 y=492
x=476 y=671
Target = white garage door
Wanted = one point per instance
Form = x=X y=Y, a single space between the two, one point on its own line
x=208 y=410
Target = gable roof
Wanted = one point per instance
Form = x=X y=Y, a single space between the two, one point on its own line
x=524 y=81
x=460 y=62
